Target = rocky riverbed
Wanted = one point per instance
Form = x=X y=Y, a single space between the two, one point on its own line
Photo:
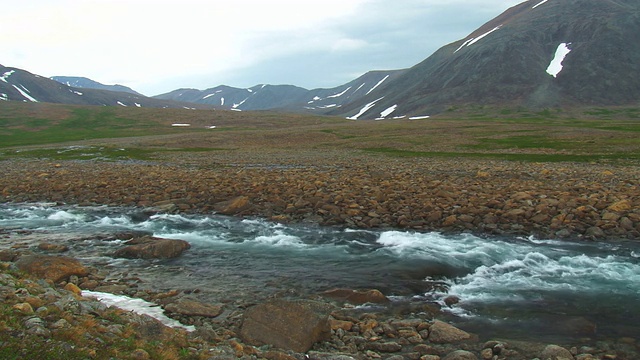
x=550 y=200
x=566 y=201
x=50 y=302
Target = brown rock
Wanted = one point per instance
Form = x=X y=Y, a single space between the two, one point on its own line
x=8 y=255
x=148 y=247
x=190 y=307
x=357 y=297
x=24 y=308
x=289 y=325
x=57 y=248
x=54 y=268
x=621 y=206
x=340 y=324
x=233 y=206
x=443 y=333
x=555 y=352
x=73 y=288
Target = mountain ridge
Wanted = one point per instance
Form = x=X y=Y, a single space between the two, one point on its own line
x=20 y=85
x=83 y=82
x=537 y=54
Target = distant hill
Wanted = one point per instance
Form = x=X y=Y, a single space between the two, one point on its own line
x=283 y=97
x=85 y=83
x=538 y=54
x=20 y=85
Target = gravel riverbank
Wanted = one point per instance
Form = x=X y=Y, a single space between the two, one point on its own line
x=550 y=200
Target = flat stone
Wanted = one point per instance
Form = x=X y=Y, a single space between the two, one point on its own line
x=149 y=247
x=54 y=268
x=357 y=297
x=190 y=307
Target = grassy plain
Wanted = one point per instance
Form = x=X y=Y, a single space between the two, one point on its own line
x=61 y=132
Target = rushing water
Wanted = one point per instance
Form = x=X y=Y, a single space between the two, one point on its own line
x=514 y=286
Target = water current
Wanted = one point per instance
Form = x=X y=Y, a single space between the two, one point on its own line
x=506 y=285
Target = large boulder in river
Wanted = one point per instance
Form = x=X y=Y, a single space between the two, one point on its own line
x=289 y=325
x=54 y=268
x=357 y=297
x=149 y=247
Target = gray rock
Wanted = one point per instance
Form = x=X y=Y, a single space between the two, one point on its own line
x=443 y=333
x=555 y=352
x=148 y=247
x=289 y=325
x=460 y=355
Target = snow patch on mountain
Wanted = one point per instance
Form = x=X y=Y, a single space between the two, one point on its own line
x=236 y=106
x=4 y=97
x=24 y=92
x=555 y=67
x=388 y=111
x=6 y=75
x=121 y=104
x=540 y=3
x=378 y=84
x=365 y=109
x=222 y=101
x=472 y=41
x=340 y=94
x=419 y=117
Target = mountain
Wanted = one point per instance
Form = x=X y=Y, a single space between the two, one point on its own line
x=259 y=97
x=283 y=97
x=85 y=83
x=538 y=54
x=21 y=85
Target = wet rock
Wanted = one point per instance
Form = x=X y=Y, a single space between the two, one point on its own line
x=289 y=325
x=55 y=248
x=149 y=247
x=555 y=352
x=8 y=255
x=190 y=307
x=443 y=333
x=54 y=268
x=357 y=297
x=384 y=347
x=460 y=355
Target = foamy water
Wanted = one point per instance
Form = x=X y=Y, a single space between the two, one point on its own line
x=498 y=280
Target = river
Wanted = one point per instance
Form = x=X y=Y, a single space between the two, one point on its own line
x=508 y=286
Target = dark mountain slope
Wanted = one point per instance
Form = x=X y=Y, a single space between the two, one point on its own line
x=505 y=62
x=20 y=85
x=83 y=82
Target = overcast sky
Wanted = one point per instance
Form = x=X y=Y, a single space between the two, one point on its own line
x=155 y=46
